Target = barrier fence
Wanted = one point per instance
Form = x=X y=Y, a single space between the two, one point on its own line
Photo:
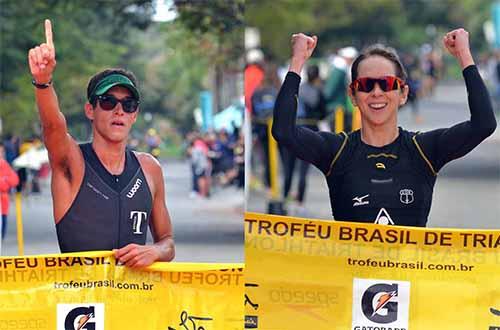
x=91 y=291
x=312 y=274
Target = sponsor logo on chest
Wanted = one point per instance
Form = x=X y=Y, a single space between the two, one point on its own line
x=406 y=196
x=138 y=218
x=360 y=200
x=134 y=189
x=383 y=218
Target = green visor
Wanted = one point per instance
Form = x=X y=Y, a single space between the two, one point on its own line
x=113 y=80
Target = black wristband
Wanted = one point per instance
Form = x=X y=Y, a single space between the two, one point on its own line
x=41 y=86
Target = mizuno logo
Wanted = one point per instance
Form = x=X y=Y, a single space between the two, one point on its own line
x=359 y=200
x=134 y=189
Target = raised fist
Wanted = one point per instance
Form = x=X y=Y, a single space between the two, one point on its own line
x=303 y=46
x=42 y=58
x=457 y=42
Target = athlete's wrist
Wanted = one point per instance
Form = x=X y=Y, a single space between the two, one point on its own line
x=42 y=80
x=465 y=59
x=296 y=65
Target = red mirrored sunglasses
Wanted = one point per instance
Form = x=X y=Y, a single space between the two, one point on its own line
x=386 y=83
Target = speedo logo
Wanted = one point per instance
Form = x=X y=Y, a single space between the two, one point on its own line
x=134 y=189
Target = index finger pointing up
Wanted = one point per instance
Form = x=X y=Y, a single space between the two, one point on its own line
x=48 y=33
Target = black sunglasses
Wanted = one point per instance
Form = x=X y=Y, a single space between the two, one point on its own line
x=108 y=102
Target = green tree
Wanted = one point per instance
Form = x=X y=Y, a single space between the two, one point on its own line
x=218 y=25
x=400 y=23
x=89 y=35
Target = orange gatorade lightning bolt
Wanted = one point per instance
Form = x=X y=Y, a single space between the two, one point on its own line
x=83 y=320
x=383 y=300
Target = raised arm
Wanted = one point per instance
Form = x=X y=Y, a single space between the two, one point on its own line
x=443 y=145
x=318 y=148
x=42 y=62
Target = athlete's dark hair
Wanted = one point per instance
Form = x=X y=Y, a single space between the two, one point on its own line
x=382 y=51
x=94 y=80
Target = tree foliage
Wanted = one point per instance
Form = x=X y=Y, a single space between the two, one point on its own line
x=172 y=60
x=88 y=36
x=400 y=23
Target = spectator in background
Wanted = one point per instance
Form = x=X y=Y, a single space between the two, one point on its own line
x=8 y=180
x=11 y=145
x=201 y=166
x=254 y=75
x=431 y=68
x=262 y=102
x=225 y=155
x=414 y=84
x=497 y=80
x=311 y=109
x=188 y=147
x=239 y=160
x=335 y=89
x=36 y=143
x=153 y=141
x=23 y=171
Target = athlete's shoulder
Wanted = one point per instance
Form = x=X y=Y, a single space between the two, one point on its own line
x=342 y=141
x=418 y=141
x=408 y=136
x=352 y=135
x=147 y=161
x=407 y=133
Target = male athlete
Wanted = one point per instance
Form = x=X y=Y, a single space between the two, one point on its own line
x=104 y=195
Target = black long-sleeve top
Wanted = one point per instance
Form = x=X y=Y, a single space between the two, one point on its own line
x=398 y=178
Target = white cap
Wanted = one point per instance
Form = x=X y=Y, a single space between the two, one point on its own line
x=348 y=52
x=255 y=56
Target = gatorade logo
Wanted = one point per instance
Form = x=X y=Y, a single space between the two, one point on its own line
x=380 y=302
x=134 y=189
x=80 y=316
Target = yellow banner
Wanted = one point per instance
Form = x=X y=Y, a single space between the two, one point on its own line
x=89 y=291
x=310 y=274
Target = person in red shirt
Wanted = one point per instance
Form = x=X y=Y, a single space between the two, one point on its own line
x=8 y=180
x=254 y=75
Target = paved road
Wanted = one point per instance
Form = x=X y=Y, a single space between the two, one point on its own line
x=467 y=191
x=205 y=230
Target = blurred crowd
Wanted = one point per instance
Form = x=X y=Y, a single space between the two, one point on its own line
x=22 y=165
x=216 y=159
x=29 y=158
x=489 y=68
